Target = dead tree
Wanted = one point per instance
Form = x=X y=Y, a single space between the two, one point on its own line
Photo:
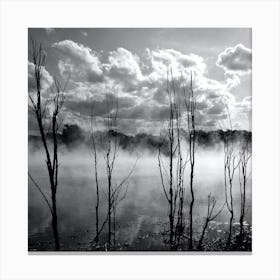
x=116 y=192
x=180 y=172
x=50 y=145
x=244 y=156
x=209 y=217
x=111 y=147
x=173 y=172
x=231 y=163
x=95 y=164
x=230 y=166
x=170 y=193
x=190 y=103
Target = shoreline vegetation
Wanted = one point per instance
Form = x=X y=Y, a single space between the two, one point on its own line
x=73 y=136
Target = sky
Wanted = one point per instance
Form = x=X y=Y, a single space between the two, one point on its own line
x=132 y=65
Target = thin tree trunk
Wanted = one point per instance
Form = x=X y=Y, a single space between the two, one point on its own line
x=191 y=128
x=52 y=163
x=171 y=219
x=230 y=230
x=191 y=211
x=114 y=226
x=199 y=246
x=109 y=210
x=54 y=224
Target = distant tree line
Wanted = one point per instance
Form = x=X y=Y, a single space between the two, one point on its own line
x=72 y=136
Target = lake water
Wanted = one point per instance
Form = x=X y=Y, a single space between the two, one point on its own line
x=141 y=216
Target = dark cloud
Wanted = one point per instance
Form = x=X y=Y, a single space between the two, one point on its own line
x=99 y=107
x=201 y=105
x=213 y=95
x=210 y=123
x=145 y=111
x=160 y=95
x=216 y=109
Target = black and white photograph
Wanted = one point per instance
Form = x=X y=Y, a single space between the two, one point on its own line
x=140 y=140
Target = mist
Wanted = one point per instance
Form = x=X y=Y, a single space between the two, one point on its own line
x=142 y=211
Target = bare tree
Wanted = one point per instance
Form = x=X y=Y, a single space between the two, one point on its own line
x=209 y=217
x=50 y=147
x=230 y=165
x=244 y=156
x=116 y=192
x=170 y=194
x=111 y=147
x=180 y=168
x=173 y=171
x=190 y=103
x=95 y=163
x=180 y=171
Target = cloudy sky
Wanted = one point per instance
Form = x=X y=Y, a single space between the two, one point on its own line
x=132 y=65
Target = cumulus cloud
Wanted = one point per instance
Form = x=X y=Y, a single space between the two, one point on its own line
x=123 y=67
x=236 y=59
x=139 y=81
x=79 y=61
x=46 y=80
x=158 y=61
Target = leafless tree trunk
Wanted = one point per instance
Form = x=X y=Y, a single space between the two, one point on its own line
x=174 y=173
x=110 y=156
x=115 y=192
x=245 y=156
x=95 y=162
x=230 y=166
x=171 y=193
x=40 y=113
x=180 y=172
x=190 y=103
x=209 y=217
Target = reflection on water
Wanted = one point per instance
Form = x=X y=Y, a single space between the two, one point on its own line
x=141 y=216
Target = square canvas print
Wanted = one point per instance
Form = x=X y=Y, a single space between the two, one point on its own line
x=139 y=139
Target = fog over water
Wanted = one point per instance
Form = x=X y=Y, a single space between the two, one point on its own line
x=143 y=208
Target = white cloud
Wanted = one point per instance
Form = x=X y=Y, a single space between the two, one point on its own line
x=123 y=66
x=159 y=60
x=80 y=61
x=236 y=59
x=143 y=78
